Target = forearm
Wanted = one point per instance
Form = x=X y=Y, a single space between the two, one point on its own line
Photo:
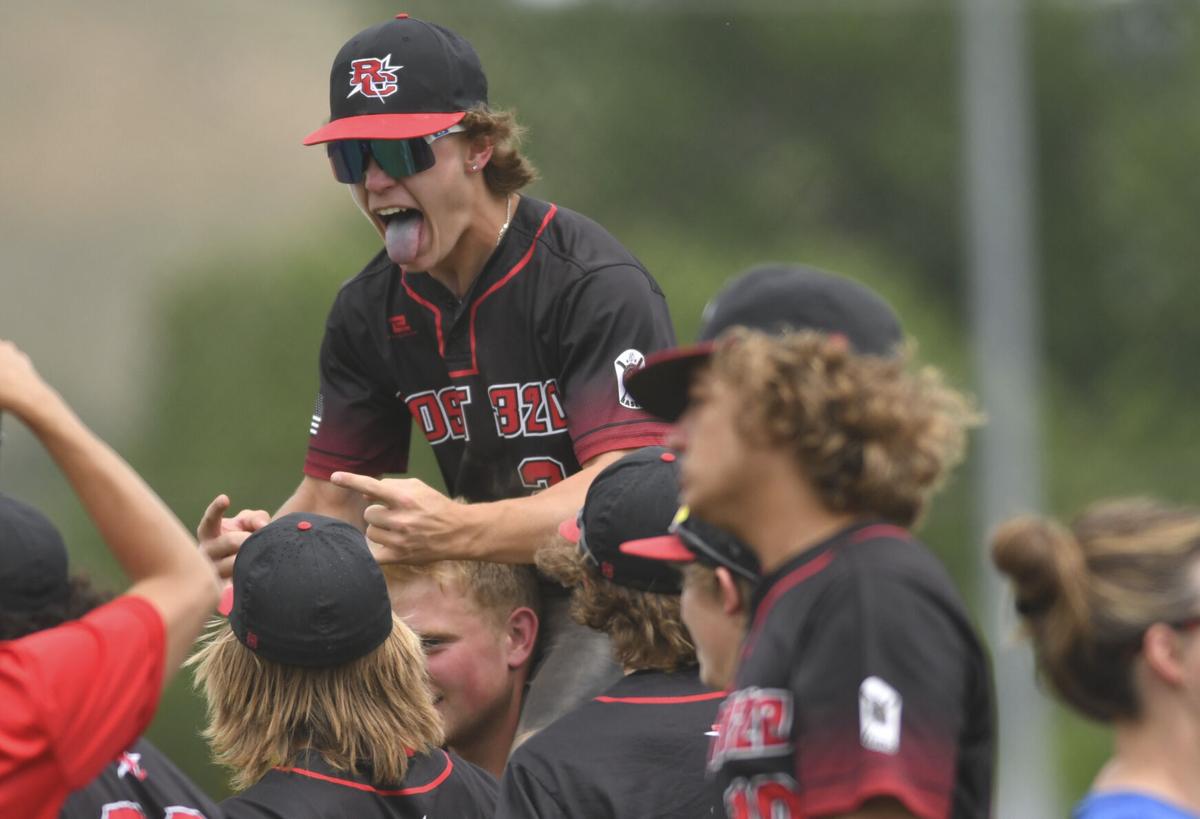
x=145 y=537
x=511 y=531
x=323 y=498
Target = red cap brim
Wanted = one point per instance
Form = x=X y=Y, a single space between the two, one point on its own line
x=226 y=604
x=569 y=529
x=384 y=126
x=668 y=548
x=661 y=385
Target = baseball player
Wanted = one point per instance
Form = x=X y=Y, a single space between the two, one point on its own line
x=637 y=749
x=317 y=695
x=478 y=625
x=77 y=694
x=501 y=325
x=861 y=689
x=719 y=576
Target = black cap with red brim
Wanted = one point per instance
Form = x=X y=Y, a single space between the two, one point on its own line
x=692 y=540
x=401 y=79
x=771 y=299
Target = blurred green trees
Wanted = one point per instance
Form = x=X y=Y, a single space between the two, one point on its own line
x=711 y=140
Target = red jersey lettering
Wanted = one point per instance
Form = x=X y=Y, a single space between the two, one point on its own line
x=753 y=722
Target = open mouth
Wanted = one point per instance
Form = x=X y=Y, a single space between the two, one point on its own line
x=402 y=232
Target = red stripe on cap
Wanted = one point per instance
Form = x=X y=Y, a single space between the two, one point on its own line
x=226 y=604
x=664 y=547
x=569 y=529
x=711 y=695
x=347 y=783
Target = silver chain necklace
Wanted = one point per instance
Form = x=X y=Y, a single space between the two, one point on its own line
x=507 y=218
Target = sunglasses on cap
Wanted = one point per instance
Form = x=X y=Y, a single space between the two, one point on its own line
x=396 y=157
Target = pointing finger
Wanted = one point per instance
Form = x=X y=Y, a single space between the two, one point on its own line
x=371 y=487
x=210 y=524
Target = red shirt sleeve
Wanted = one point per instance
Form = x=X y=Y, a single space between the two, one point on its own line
x=74 y=697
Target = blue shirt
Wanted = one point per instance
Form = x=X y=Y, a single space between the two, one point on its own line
x=1127 y=805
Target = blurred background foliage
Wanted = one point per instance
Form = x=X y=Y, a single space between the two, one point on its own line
x=712 y=137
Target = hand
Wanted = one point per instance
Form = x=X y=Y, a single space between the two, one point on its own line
x=20 y=384
x=408 y=521
x=220 y=537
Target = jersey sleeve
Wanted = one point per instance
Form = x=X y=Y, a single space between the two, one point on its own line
x=879 y=689
x=84 y=691
x=522 y=794
x=612 y=318
x=358 y=425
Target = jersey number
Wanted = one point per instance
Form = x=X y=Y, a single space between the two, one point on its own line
x=763 y=797
x=539 y=473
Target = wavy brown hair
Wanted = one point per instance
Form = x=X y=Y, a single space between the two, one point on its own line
x=645 y=628
x=1087 y=593
x=508 y=170
x=875 y=436
x=365 y=714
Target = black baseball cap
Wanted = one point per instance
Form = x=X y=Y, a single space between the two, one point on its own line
x=33 y=558
x=692 y=540
x=401 y=79
x=773 y=299
x=632 y=498
x=308 y=592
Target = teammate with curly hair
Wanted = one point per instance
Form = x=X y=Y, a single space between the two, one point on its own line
x=804 y=430
x=1112 y=604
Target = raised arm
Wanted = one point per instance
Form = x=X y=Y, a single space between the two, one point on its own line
x=145 y=537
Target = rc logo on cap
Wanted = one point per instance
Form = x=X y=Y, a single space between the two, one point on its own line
x=373 y=77
x=627 y=362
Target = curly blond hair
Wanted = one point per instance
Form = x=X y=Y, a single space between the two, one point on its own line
x=508 y=170
x=873 y=436
x=645 y=628
x=262 y=714
x=1087 y=593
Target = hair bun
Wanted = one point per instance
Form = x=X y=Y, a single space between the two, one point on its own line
x=1043 y=561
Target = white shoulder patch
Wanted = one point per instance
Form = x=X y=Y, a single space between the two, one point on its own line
x=879 y=707
x=626 y=361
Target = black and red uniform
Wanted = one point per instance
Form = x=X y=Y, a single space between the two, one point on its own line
x=860 y=677
x=141 y=783
x=515 y=385
x=439 y=784
x=635 y=751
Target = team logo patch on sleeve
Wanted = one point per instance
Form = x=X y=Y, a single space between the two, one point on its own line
x=879 y=707
x=373 y=77
x=627 y=362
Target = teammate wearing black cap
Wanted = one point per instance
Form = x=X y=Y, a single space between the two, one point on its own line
x=861 y=689
x=318 y=699
x=38 y=592
x=500 y=324
x=719 y=576
x=637 y=749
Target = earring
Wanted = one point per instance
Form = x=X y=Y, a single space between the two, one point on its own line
x=474 y=166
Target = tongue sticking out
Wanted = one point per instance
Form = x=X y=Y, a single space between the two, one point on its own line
x=403 y=237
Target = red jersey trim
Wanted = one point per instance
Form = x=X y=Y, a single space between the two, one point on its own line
x=359 y=786
x=517 y=268
x=711 y=695
x=880 y=530
x=633 y=435
x=790 y=581
x=822 y=801
x=437 y=314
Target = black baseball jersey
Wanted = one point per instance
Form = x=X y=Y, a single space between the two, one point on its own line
x=439 y=784
x=140 y=784
x=635 y=751
x=860 y=676
x=514 y=386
